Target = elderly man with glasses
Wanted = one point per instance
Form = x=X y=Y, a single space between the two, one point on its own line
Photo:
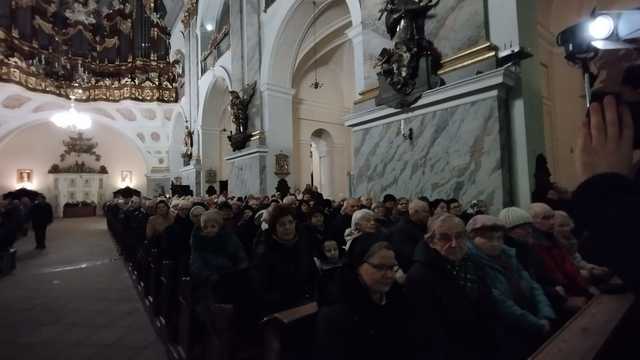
x=453 y=308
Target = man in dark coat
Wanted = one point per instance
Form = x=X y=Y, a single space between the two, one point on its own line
x=453 y=312
x=409 y=232
x=343 y=221
x=41 y=217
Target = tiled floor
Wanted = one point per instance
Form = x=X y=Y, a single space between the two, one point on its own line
x=74 y=300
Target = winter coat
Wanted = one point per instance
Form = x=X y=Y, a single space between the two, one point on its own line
x=211 y=257
x=555 y=267
x=446 y=322
x=41 y=214
x=520 y=309
x=606 y=207
x=405 y=236
x=286 y=276
x=338 y=227
x=523 y=252
x=358 y=328
x=178 y=237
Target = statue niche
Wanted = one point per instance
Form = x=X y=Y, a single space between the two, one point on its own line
x=411 y=66
x=239 y=106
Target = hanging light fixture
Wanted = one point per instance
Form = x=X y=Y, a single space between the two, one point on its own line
x=315 y=84
x=71 y=118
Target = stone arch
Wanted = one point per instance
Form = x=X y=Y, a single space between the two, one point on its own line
x=293 y=22
x=215 y=125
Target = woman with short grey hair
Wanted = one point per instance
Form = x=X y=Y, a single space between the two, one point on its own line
x=362 y=222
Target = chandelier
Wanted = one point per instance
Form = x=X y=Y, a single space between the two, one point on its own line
x=71 y=118
x=315 y=84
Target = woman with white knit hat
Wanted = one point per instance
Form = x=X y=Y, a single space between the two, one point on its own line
x=519 y=235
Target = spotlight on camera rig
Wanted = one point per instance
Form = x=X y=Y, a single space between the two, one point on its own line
x=603 y=30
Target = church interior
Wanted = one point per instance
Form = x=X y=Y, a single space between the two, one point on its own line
x=319 y=179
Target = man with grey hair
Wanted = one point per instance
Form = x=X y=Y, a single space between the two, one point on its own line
x=453 y=312
x=343 y=221
x=290 y=201
x=408 y=233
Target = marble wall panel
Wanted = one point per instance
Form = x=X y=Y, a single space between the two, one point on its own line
x=248 y=176
x=456 y=152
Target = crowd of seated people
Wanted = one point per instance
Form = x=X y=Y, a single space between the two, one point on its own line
x=401 y=278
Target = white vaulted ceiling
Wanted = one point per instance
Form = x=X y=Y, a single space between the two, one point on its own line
x=148 y=125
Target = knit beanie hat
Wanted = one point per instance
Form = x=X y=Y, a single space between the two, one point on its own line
x=514 y=216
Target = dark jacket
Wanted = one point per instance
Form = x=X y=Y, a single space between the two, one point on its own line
x=285 y=275
x=524 y=253
x=446 y=322
x=41 y=214
x=404 y=238
x=338 y=227
x=358 y=328
x=606 y=207
x=177 y=246
x=211 y=257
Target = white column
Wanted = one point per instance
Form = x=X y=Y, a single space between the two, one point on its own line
x=278 y=127
x=357 y=42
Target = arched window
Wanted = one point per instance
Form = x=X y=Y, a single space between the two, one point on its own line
x=223 y=27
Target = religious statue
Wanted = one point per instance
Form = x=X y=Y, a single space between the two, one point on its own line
x=239 y=106
x=187 y=155
x=411 y=66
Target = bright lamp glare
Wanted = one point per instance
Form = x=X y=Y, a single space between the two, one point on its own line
x=72 y=119
x=209 y=27
x=601 y=27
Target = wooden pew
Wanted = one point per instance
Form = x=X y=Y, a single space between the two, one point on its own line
x=586 y=333
x=168 y=309
x=288 y=332
x=182 y=350
x=153 y=294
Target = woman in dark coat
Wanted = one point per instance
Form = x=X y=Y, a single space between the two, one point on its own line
x=285 y=272
x=369 y=322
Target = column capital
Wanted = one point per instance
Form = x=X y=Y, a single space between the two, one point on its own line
x=278 y=90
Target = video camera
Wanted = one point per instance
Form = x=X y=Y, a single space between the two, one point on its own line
x=608 y=33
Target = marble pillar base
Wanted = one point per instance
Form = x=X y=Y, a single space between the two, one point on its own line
x=248 y=172
x=192 y=176
x=460 y=145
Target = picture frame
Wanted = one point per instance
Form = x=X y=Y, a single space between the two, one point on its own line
x=24 y=176
x=126 y=178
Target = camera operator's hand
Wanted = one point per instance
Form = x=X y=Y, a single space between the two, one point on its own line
x=605 y=142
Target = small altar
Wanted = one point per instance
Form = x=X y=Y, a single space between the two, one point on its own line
x=78 y=180
x=76 y=190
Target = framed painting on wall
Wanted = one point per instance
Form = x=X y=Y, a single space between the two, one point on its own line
x=126 y=178
x=24 y=176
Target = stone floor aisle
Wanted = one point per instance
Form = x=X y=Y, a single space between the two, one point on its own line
x=74 y=300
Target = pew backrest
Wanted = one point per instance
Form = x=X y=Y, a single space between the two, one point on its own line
x=585 y=334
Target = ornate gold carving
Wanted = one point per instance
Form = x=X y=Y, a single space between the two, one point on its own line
x=107 y=91
x=190 y=12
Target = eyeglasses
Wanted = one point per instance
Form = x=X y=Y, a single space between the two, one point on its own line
x=384 y=268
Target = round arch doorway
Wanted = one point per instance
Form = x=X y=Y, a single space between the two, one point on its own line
x=322 y=161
